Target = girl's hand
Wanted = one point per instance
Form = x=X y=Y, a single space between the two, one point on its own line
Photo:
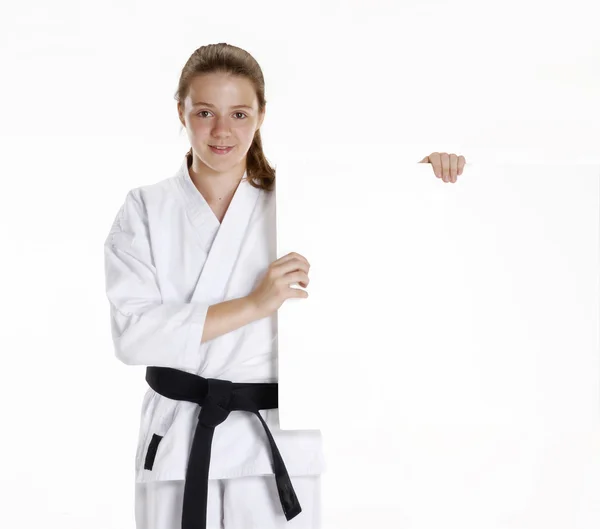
x=445 y=166
x=275 y=287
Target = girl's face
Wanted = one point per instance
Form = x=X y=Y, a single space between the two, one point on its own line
x=222 y=110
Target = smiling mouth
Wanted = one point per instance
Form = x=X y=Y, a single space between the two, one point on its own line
x=221 y=151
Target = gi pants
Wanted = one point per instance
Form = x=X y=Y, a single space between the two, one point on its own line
x=249 y=502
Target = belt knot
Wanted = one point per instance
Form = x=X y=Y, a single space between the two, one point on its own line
x=215 y=408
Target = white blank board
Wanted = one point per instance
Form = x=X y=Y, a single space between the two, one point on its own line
x=449 y=347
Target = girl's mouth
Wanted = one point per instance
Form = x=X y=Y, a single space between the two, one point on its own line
x=217 y=150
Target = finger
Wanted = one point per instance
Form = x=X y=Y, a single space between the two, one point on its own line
x=461 y=164
x=297 y=277
x=434 y=160
x=302 y=279
x=445 y=166
x=299 y=293
x=290 y=256
x=453 y=167
x=292 y=265
x=301 y=257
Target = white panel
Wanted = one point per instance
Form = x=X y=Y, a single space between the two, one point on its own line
x=449 y=346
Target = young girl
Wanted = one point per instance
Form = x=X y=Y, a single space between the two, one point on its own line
x=194 y=286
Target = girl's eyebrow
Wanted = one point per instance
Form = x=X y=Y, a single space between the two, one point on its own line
x=202 y=103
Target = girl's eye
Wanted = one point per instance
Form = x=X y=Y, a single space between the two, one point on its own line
x=203 y=111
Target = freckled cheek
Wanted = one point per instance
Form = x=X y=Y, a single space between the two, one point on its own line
x=201 y=131
x=243 y=134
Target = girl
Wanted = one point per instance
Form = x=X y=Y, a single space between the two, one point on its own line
x=194 y=287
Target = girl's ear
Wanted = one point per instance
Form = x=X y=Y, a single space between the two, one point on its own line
x=180 y=114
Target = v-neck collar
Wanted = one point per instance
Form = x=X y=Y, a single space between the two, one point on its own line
x=199 y=211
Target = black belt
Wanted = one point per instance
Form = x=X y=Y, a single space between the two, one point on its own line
x=218 y=398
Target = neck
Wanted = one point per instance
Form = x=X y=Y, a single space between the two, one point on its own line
x=215 y=186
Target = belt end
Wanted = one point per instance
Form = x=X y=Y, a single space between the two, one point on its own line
x=293 y=511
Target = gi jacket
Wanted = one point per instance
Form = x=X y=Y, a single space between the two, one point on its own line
x=167 y=259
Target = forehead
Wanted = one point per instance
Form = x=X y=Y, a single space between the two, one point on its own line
x=221 y=90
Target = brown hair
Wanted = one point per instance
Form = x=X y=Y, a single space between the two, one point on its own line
x=225 y=58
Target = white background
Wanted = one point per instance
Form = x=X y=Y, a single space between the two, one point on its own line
x=88 y=113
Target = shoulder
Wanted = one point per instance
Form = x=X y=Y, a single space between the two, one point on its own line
x=131 y=218
x=139 y=200
x=123 y=228
x=157 y=192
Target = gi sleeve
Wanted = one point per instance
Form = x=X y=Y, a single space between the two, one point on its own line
x=146 y=331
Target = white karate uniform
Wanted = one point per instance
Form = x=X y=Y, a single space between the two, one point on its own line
x=167 y=259
x=243 y=503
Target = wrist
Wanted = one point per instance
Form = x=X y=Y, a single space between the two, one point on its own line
x=253 y=308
